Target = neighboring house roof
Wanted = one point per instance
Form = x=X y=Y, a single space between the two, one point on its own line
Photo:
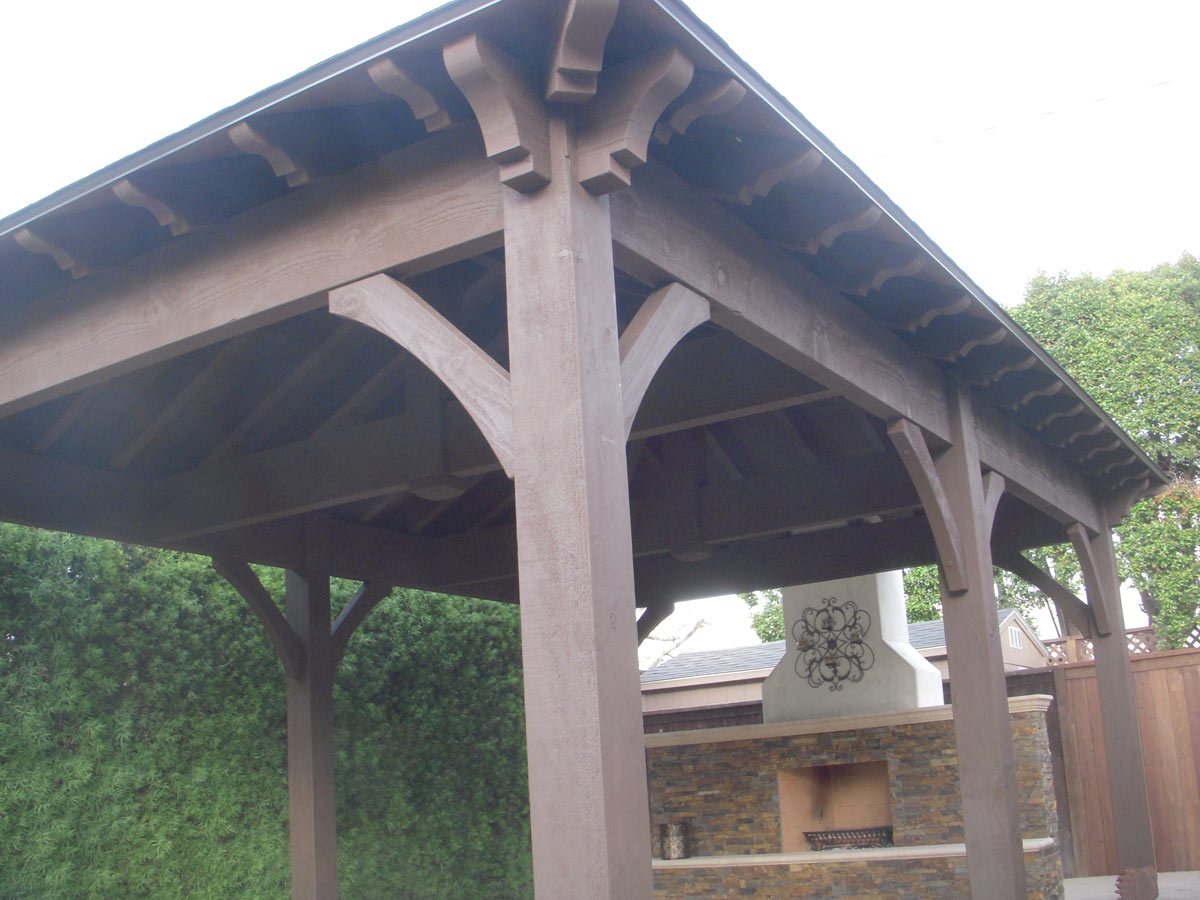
x=703 y=663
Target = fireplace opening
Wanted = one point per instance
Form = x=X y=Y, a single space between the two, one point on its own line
x=835 y=806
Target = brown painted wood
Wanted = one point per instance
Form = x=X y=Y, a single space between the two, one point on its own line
x=651 y=618
x=579 y=53
x=249 y=139
x=480 y=384
x=910 y=444
x=664 y=229
x=708 y=95
x=352 y=615
x=391 y=79
x=667 y=315
x=287 y=643
x=312 y=820
x=1073 y=611
x=511 y=115
x=265 y=265
x=982 y=735
x=166 y=216
x=1118 y=703
x=587 y=775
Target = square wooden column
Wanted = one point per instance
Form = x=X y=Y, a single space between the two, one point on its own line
x=587 y=771
x=311 y=815
x=982 y=730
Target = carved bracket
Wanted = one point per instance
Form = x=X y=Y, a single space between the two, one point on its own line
x=511 y=115
x=914 y=453
x=280 y=633
x=1100 y=582
x=477 y=380
x=615 y=128
x=35 y=243
x=707 y=96
x=795 y=167
x=579 y=53
x=391 y=79
x=667 y=315
x=248 y=139
x=129 y=193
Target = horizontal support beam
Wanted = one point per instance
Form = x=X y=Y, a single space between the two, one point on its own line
x=270 y=263
x=665 y=230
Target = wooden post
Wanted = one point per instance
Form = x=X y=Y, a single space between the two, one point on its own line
x=311 y=815
x=587 y=775
x=1118 y=704
x=961 y=504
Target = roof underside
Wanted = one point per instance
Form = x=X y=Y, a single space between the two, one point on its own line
x=254 y=413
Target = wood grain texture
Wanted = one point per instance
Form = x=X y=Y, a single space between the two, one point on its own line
x=265 y=265
x=910 y=444
x=480 y=384
x=664 y=230
x=663 y=319
x=511 y=116
x=615 y=127
x=391 y=79
x=579 y=52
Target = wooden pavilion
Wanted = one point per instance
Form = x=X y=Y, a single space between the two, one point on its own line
x=551 y=301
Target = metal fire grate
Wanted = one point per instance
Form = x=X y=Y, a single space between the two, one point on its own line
x=850 y=838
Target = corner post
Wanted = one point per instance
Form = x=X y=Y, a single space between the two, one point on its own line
x=587 y=772
x=311 y=814
x=982 y=729
x=1118 y=713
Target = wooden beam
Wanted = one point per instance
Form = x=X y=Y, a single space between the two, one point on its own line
x=708 y=95
x=910 y=444
x=615 y=127
x=32 y=242
x=265 y=265
x=166 y=216
x=652 y=617
x=289 y=646
x=78 y=405
x=667 y=315
x=665 y=230
x=1074 y=612
x=391 y=79
x=511 y=116
x=583 y=722
x=353 y=613
x=1103 y=600
x=249 y=139
x=579 y=54
x=480 y=384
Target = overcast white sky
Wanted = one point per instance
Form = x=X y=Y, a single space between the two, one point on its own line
x=1023 y=137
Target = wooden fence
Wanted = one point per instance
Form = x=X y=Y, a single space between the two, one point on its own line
x=1168 y=700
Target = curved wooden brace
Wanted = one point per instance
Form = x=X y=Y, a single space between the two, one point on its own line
x=909 y=442
x=579 y=53
x=1098 y=590
x=799 y=166
x=985 y=378
x=993 y=489
x=1055 y=387
x=705 y=97
x=1079 y=435
x=615 y=128
x=35 y=243
x=511 y=116
x=280 y=633
x=1106 y=447
x=667 y=315
x=391 y=79
x=1128 y=460
x=477 y=380
x=1073 y=610
x=861 y=221
x=1068 y=413
x=988 y=340
x=250 y=140
x=883 y=276
x=652 y=618
x=353 y=613
x=132 y=195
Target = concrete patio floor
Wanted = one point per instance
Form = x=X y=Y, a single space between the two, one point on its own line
x=1171 y=886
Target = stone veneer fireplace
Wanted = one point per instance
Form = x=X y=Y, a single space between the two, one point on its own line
x=746 y=795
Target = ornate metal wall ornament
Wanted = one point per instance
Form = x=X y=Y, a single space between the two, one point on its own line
x=830 y=641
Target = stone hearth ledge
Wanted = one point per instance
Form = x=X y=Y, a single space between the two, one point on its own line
x=873 y=854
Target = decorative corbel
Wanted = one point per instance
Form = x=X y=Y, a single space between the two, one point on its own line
x=909 y=442
x=249 y=139
x=707 y=96
x=480 y=384
x=795 y=167
x=579 y=53
x=667 y=315
x=615 y=127
x=64 y=259
x=391 y=79
x=511 y=115
x=132 y=195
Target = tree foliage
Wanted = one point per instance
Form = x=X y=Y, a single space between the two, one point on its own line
x=142 y=736
x=766 y=614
